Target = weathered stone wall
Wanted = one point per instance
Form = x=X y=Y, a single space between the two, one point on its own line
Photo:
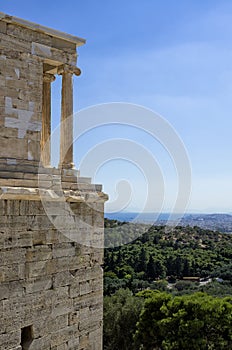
x=50 y=265
x=48 y=281
x=23 y=54
x=20 y=105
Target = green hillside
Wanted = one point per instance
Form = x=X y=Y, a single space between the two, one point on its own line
x=169 y=289
x=159 y=255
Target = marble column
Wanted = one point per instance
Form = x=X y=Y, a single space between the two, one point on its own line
x=66 y=127
x=46 y=120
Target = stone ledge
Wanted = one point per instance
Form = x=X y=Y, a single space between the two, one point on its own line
x=43 y=177
x=54 y=183
x=36 y=194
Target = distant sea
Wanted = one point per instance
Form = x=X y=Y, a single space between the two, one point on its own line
x=140 y=217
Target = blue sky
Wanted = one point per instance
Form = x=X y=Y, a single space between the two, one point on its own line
x=174 y=57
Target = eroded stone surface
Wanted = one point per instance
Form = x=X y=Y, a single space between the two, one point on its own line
x=51 y=220
x=48 y=280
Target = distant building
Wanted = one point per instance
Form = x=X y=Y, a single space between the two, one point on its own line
x=191 y=279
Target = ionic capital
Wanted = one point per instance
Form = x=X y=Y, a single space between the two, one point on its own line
x=69 y=70
x=48 y=78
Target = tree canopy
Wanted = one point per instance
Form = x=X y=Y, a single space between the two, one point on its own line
x=189 y=322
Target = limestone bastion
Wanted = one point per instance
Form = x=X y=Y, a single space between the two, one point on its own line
x=51 y=219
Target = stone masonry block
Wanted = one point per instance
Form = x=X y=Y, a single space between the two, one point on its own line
x=9 y=341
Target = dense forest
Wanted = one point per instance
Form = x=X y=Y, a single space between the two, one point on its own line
x=166 y=287
x=159 y=256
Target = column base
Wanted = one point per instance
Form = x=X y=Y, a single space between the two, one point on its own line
x=66 y=166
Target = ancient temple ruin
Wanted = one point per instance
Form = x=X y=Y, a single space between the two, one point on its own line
x=51 y=220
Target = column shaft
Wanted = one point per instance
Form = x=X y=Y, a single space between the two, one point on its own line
x=66 y=128
x=46 y=120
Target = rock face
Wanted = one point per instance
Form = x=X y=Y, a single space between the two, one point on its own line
x=51 y=220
